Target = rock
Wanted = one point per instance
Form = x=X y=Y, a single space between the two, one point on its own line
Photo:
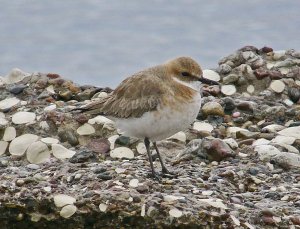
x=224 y=69
x=291 y=132
x=49 y=141
x=61 y=152
x=228 y=89
x=17 y=89
x=250 y=89
x=19 y=145
x=294 y=94
x=212 y=75
x=99 y=120
x=266 y=152
x=230 y=79
x=176 y=213
x=86 y=129
x=141 y=148
x=23 y=117
x=180 y=136
x=3 y=147
x=212 y=108
x=215 y=150
x=277 y=86
x=3 y=121
x=67 y=211
x=68 y=135
x=287 y=160
x=9 y=134
x=50 y=108
x=171 y=198
x=231 y=142
x=261 y=141
x=16 y=75
x=122 y=152
x=134 y=183
x=112 y=140
x=231 y=131
x=100 y=146
x=203 y=126
x=37 y=153
x=283 y=140
x=103 y=207
x=273 y=128
x=83 y=156
x=215 y=203
x=61 y=200
x=8 y=103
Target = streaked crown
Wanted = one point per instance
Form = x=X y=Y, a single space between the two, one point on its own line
x=185 y=69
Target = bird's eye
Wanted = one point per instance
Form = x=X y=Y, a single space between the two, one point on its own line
x=185 y=74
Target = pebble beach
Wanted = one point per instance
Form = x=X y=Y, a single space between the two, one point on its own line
x=237 y=166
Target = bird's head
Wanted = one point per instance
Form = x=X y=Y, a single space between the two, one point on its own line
x=187 y=71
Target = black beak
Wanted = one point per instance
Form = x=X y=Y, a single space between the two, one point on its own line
x=208 y=81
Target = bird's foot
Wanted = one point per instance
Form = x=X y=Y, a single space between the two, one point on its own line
x=155 y=176
x=168 y=173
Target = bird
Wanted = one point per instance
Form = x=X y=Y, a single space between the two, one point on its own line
x=155 y=103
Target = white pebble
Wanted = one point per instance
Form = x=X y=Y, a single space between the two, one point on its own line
x=103 y=207
x=86 y=129
x=122 y=152
x=37 y=153
x=9 y=134
x=8 y=103
x=141 y=148
x=212 y=75
x=61 y=200
x=49 y=140
x=23 y=117
x=176 y=213
x=203 y=126
x=180 y=136
x=277 y=86
x=61 y=152
x=67 y=211
x=50 y=108
x=19 y=145
x=228 y=89
x=3 y=147
x=134 y=183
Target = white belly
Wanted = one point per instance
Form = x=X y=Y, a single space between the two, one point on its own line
x=161 y=124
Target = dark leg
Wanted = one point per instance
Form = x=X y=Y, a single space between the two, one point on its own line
x=147 y=144
x=164 y=168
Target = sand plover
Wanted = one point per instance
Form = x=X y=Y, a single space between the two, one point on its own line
x=155 y=103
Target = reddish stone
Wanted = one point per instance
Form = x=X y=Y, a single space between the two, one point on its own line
x=81 y=118
x=53 y=75
x=100 y=146
x=266 y=49
x=295 y=220
x=261 y=73
x=275 y=75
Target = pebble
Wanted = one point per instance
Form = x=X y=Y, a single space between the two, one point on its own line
x=176 y=213
x=277 y=86
x=37 y=153
x=122 y=152
x=3 y=147
x=67 y=211
x=212 y=75
x=103 y=207
x=19 y=145
x=291 y=132
x=228 y=89
x=8 y=103
x=134 y=183
x=9 y=134
x=203 y=126
x=99 y=120
x=99 y=145
x=180 y=136
x=61 y=152
x=23 y=117
x=86 y=129
x=266 y=152
x=212 y=108
x=49 y=140
x=141 y=148
x=16 y=75
x=61 y=200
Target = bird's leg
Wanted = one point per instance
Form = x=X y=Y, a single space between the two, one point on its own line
x=163 y=167
x=147 y=144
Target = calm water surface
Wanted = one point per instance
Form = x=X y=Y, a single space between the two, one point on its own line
x=102 y=42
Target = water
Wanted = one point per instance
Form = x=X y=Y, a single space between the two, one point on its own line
x=102 y=42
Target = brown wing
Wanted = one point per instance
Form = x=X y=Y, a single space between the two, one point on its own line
x=132 y=98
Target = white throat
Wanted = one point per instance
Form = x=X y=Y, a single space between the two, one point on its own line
x=196 y=85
